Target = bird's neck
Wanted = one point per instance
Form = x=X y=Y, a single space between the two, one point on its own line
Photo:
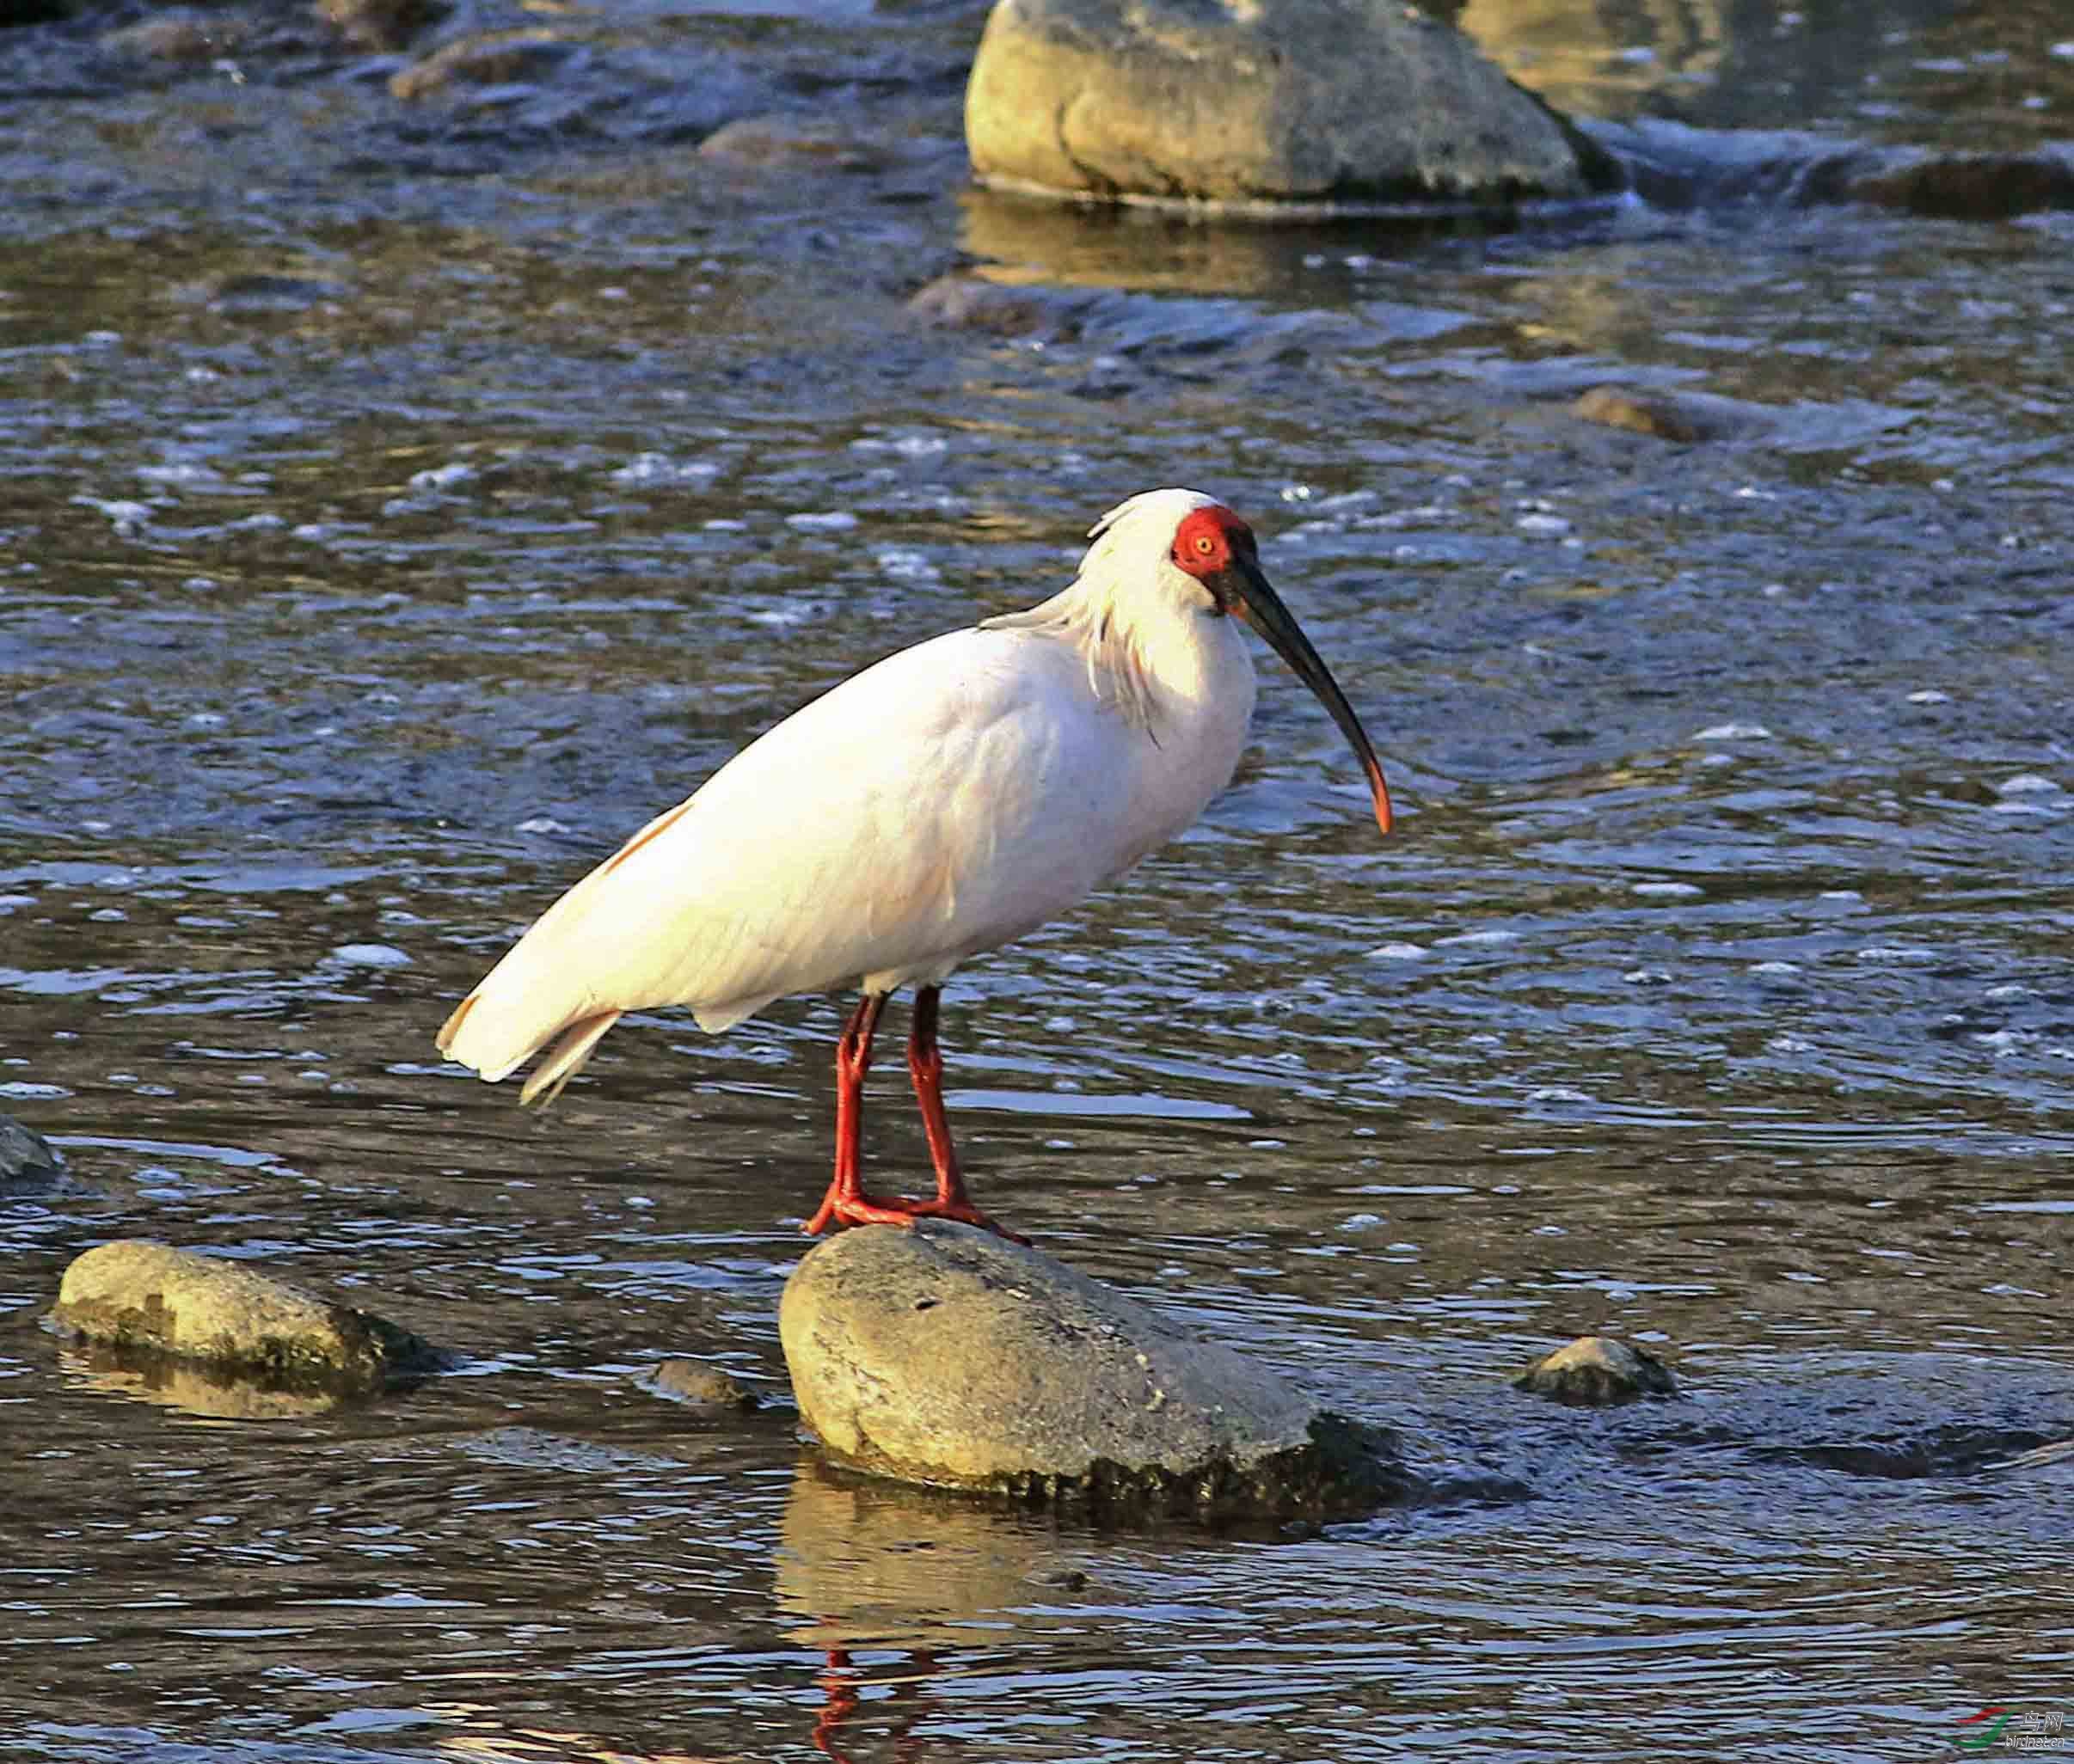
x=1160 y=672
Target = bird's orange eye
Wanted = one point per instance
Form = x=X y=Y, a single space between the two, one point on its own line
x=1204 y=543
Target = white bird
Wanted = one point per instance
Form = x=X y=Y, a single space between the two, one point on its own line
x=946 y=801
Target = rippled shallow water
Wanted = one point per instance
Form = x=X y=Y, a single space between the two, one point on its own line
x=379 y=551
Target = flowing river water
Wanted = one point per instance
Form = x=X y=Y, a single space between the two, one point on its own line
x=399 y=502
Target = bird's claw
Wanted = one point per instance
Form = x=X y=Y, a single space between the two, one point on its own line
x=862 y=1210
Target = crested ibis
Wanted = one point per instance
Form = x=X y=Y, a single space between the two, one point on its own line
x=944 y=801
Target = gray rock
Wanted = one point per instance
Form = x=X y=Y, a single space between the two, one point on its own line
x=1598 y=1371
x=26 y=1159
x=945 y=1355
x=153 y=1299
x=1339 y=103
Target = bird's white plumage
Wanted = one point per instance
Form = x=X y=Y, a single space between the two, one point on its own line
x=946 y=801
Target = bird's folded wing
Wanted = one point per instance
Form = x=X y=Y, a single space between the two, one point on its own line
x=909 y=817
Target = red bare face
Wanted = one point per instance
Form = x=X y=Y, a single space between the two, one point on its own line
x=1208 y=539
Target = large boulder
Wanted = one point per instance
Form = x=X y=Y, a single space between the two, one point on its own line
x=1320 y=103
x=153 y=1299
x=946 y=1354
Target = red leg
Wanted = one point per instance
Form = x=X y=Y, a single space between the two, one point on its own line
x=925 y=1066
x=853 y=1059
x=846 y=1203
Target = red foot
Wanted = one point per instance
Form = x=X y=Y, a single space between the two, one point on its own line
x=861 y=1209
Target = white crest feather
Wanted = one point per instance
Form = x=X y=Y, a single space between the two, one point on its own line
x=1099 y=613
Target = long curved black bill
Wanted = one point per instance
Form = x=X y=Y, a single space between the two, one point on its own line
x=1256 y=603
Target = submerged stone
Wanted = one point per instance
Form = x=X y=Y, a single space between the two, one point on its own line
x=965 y=303
x=947 y=1356
x=26 y=1158
x=1598 y=1371
x=1973 y=186
x=153 y=1299
x=378 y=24
x=700 y=1385
x=791 y=141
x=1307 y=101
x=492 y=58
x=1678 y=416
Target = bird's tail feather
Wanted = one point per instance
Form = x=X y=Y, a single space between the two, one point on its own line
x=566 y=1058
x=510 y=1016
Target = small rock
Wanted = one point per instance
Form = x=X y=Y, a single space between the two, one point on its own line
x=812 y=142
x=26 y=1158
x=960 y=302
x=1684 y=417
x=946 y=1354
x=152 y=1298
x=1317 y=102
x=1598 y=1372
x=498 y=58
x=701 y=1385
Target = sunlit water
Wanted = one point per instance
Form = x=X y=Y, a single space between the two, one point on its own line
x=381 y=546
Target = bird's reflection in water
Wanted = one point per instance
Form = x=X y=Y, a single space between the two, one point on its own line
x=876 y=1566
x=842 y=1681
